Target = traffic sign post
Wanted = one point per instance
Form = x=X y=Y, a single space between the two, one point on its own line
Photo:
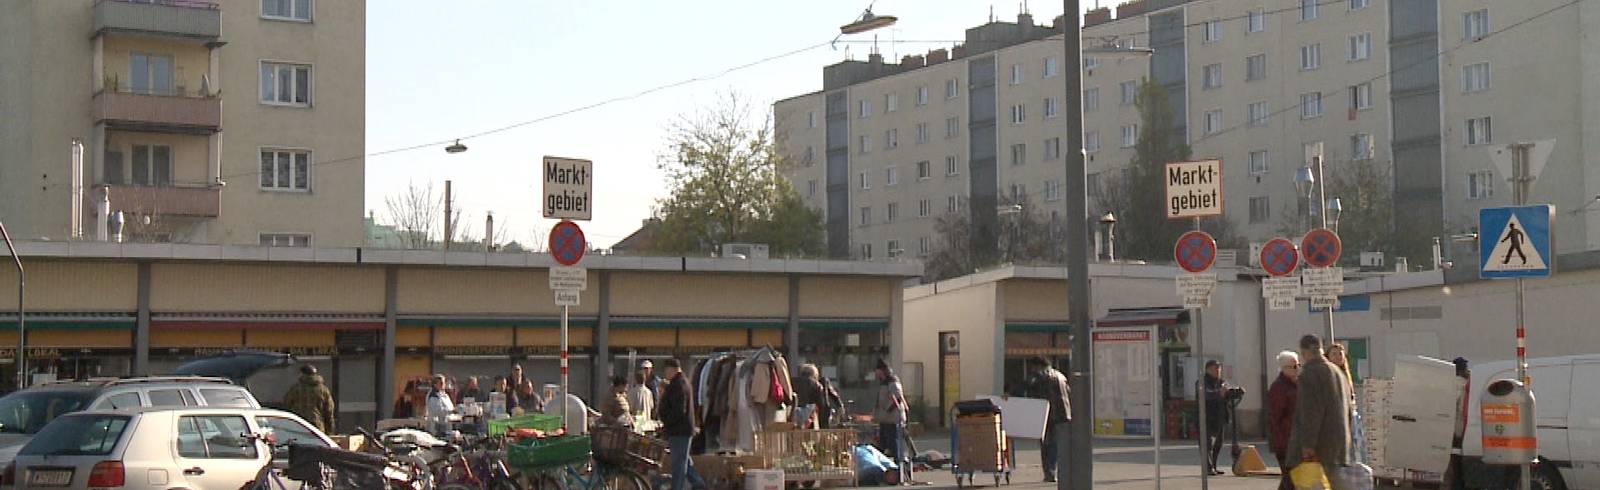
x=1195 y=252
x=568 y=187
x=1279 y=257
x=1194 y=189
x=1321 y=247
x=567 y=246
x=1280 y=292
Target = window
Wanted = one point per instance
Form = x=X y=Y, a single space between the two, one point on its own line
x=891 y=103
x=951 y=166
x=296 y=240
x=1091 y=141
x=922 y=133
x=214 y=436
x=1052 y=67
x=893 y=248
x=1361 y=46
x=224 y=397
x=1361 y=96
x=924 y=208
x=1212 y=76
x=1019 y=113
x=1016 y=74
x=1258 y=113
x=120 y=401
x=1361 y=146
x=865 y=144
x=286 y=432
x=1311 y=105
x=1257 y=21
x=1130 y=135
x=1213 y=121
x=1480 y=184
x=1129 y=91
x=952 y=88
x=1359 y=4
x=149 y=74
x=863 y=109
x=866 y=215
x=1091 y=184
x=1310 y=57
x=811 y=188
x=1258 y=162
x=952 y=127
x=285 y=84
x=891 y=175
x=1019 y=192
x=864 y=180
x=891 y=139
x=286 y=9
x=924 y=170
x=952 y=204
x=866 y=251
x=1308 y=10
x=922 y=96
x=1052 y=190
x=152 y=165
x=1090 y=63
x=1091 y=100
x=82 y=435
x=1019 y=154
x=1211 y=31
x=1255 y=67
x=1260 y=210
x=894 y=212
x=1052 y=107
x=1052 y=148
x=282 y=170
x=810 y=156
x=1475 y=77
x=811 y=119
x=1478 y=131
x=922 y=246
x=1477 y=23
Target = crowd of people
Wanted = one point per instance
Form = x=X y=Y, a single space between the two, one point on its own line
x=1311 y=412
x=440 y=394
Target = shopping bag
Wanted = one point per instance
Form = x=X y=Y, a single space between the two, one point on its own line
x=1354 y=477
x=1308 y=475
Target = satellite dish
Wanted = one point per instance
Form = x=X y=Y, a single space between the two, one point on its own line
x=867 y=22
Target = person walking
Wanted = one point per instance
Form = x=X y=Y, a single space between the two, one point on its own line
x=1281 y=398
x=1215 y=389
x=1051 y=385
x=1321 y=433
x=1358 y=444
x=311 y=400
x=890 y=412
x=677 y=423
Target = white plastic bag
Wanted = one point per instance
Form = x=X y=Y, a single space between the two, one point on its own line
x=1354 y=477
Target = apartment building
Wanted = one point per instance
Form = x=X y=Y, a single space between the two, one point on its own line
x=201 y=121
x=1263 y=85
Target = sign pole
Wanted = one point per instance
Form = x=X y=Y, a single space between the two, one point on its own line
x=1519 y=185
x=1200 y=352
x=564 y=394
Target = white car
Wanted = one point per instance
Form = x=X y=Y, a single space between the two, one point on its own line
x=158 y=448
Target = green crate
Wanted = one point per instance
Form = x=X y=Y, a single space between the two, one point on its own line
x=535 y=454
x=547 y=423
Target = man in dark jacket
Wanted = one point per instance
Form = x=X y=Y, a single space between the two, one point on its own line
x=311 y=400
x=677 y=422
x=1280 y=412
x=1215 y=389
x=1050 y=385
x=1321 y=413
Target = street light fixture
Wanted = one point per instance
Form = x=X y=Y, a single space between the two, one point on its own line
x=1333 y=208
x=1109 y=222
x=457 y=147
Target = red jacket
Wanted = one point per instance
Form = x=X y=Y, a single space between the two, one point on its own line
x=1280 y=412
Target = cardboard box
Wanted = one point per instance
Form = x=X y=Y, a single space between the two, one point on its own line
x=763 y=480
x=350 y=442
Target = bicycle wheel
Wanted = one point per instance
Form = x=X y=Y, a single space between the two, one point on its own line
x=623 y=479
x=539 y=481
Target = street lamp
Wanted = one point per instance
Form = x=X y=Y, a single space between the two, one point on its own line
x=456 y=147
x=1333 y=208
x=1109 y=222
x=1012 y=210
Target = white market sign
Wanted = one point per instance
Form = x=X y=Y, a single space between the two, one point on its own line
x=568 y=188
x=1194 y=189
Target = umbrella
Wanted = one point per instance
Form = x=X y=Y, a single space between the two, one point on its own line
x=235 y=365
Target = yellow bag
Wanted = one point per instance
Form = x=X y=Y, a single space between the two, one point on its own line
x=1308 y=475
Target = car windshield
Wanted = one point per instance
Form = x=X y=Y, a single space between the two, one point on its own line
x=28 y=411
x=78 y=435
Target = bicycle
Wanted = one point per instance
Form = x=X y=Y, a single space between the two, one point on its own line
x=481 y=466
x=590 y=475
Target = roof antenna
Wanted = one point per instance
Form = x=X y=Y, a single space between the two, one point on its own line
x=991 y=12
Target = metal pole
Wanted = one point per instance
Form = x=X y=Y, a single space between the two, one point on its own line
x=564 y=393
x=1079 y=458
x=1155 y=400
x=1200 y=355
x=1322 y=204
x=1519 y=195
x=22 y=323
x=449 y=230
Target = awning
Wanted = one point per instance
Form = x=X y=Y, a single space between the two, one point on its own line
x=1037 y=327
x=1143 y=316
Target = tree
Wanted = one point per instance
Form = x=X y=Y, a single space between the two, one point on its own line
x=415 y=215
x=726 y=187
x=1023 y=237
x=1139 y=200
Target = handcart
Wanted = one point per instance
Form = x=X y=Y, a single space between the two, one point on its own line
x=978 y=444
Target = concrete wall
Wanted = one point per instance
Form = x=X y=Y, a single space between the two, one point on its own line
x=971 y=310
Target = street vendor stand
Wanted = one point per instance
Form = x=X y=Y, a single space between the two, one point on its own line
x=809 y=455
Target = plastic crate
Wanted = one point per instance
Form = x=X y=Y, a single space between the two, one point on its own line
x=550 y=452
x=547 y=423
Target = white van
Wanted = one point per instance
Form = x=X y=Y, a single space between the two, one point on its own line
x=1566 y=392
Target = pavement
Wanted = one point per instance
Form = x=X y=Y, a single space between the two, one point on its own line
x=1118 y=464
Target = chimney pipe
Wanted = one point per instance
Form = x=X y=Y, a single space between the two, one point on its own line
x=77 y=190
x=102 y=215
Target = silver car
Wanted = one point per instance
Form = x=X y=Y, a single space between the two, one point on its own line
x=158 y=448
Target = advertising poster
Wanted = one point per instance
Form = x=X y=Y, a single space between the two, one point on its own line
x=1124 y=380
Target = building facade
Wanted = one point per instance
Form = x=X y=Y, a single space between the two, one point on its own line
x=1262 y=85
x=227 y=122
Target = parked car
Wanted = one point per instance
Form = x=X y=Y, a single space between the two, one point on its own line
x=198 y=448
x=24 y=413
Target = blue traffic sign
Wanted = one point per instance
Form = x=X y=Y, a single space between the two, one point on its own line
x=1515 y=241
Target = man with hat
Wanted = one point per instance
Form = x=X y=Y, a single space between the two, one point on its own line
x=311 y=400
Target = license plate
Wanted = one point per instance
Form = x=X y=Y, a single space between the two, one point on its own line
x=50 y=478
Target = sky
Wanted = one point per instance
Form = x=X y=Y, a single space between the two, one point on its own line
x=436 y=74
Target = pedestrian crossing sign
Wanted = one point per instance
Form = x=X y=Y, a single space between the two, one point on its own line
x=1515 y=241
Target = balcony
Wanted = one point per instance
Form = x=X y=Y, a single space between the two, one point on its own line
x=168 y=112
x=199 y=20
x=193 y=200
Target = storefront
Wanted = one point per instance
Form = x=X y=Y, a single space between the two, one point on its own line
x=69 y=346
x=1025 y=340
